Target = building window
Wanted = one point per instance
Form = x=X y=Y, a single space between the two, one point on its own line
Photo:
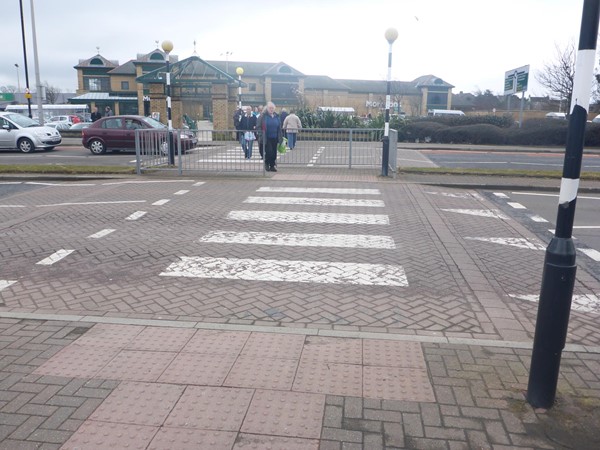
x=252 y=87
x=96 y=62
x=94 y=84
x=124 y=85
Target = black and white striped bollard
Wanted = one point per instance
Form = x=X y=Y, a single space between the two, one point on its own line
x=559 y=265
x=167 y=47
x=391 y=34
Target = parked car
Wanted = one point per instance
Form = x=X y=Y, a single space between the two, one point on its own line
x=556 y=116
x=64 y=121
x=58 y=125
x=20 y=132
x=118 y=133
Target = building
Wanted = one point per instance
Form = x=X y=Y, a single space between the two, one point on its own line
x=208 y=90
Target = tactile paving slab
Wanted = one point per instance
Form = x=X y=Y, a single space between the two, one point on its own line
x=109 y=335
x=104 y=435
x=281 y=413
x=263 y=373
x=217 y=342
x=137 y=365
x=256 y=442
x=379 y=352
x=274 y=345
x=333 y=350
x=76 y=361
x=190 y=439
x=329 y=378
x=210 y=408
x=138 y=403
x=196 y=368
x=397 y=383
x=161 y=339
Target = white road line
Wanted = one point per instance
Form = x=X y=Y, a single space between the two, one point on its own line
x=367 y=203
x=289 y=271
x=199 y=183
x=161 y=202
x=300 y=190
x=512 y=242
x=6 y=283
x=182 y=192
x=554 y=195
x=11 y=182
x=92 y=203
x=594 y=254
x=492 y=213
x=501 y=195
x=116 y=183
x=102 y=233
x=589 y=303
x=516 y=205
x=12 y=206
x=300 y=239
x=452 y=195
x=136 y=215
x=553 y=232
x=538 y=219
x=59 y=184
x=55 y=257
x=300 y=217
x=587 y=227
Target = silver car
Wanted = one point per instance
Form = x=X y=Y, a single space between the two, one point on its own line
x=20 y=132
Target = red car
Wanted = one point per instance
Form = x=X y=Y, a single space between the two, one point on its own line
x=118 y=133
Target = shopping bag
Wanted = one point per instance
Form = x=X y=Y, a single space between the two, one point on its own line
x=282 y=148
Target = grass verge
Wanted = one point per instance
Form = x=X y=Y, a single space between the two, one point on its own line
x=66 y=169
x=592 y=176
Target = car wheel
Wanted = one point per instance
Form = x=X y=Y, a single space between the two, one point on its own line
x=97 y=147
x=26 y=145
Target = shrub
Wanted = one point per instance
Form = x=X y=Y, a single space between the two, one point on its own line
x=592 y=135
x=504 y=121
x=422 y=130
x=471 y=134
x=539 y=132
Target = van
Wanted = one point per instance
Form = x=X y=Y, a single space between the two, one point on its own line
x=444 y=112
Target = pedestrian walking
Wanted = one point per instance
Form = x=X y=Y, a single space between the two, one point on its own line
x=96 y=114
x=291 y=125
x=283 y=115
x=108 y=112
x=237 y=116
x=248 y=128
x=273 y=136
x=259 y=118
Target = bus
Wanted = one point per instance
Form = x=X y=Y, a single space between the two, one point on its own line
x=51 y=111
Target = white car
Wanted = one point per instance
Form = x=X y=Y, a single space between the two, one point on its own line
x=22 y=133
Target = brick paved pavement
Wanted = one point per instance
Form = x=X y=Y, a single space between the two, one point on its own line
x=440 y=363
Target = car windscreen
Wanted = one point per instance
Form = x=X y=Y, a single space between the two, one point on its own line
x=21 y=120
x=154 y=123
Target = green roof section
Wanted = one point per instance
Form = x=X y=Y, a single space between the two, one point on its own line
x=189 y=69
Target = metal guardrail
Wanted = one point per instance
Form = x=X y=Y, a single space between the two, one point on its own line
x=221 y=151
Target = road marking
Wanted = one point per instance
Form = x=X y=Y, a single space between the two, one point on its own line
x=501 y=195
x=11 y=182
x=300 y=239
x=59 y=184
x=102 y=233
x=554 y=195
x=594 y=254
x=553 y=231
x=199 y=183
x=516 y=205
x=316 y=201
x=136 y=215
x=12 y=206
x=93 y=203
x=299 y=217
x=538 y=219
x=182 y=192
x=6 y=283
x=586 y=227
x=116 y=183
x=290 y=271
x=315 y=157
x=493 y=213
x=161 y=202
x=55 y=257
x=298 y=190
x=451 y=195
x=513 y=242
x=589 y=303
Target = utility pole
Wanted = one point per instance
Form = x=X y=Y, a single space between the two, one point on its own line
x=36 y=61
x=27 y=91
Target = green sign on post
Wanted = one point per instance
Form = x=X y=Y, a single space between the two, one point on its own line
x=7 y=97
x=516 y=80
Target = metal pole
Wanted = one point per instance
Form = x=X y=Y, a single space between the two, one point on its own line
x=239 y=91
x=170 y=146
x=27 y=94
x=391 y=35
x=521 y=109
x=38 y=83
x=558 y=277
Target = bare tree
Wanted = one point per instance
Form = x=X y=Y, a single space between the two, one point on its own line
x=557 y=76
x=8 y=89
x=52 y=93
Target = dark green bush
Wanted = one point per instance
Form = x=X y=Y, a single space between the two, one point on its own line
x=539 y=132
x=504 y=121
x=592 y=135
x=422 y=130
x=471 y=134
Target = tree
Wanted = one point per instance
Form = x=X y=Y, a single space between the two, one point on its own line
x=52 y=93
x=486 y=100
x=558 y=75
x=8 y=89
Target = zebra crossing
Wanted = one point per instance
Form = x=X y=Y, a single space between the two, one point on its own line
x=300 y=271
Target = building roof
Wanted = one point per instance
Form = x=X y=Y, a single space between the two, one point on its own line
x=324 y=82
x=97 y=61
x=192 y=68
x=380 y=86
x=431 y=81
x=257 y=69
x=102 y=96
x=124 y=69
x=155 y=56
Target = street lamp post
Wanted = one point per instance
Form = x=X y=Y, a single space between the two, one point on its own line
x=239 y=72
x=391 y=34
x=167 y=47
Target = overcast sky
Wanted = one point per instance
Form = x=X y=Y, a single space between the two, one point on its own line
x=468 y=43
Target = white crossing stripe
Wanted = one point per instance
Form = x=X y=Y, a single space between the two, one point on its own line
x=12 y=206
x=161 y=202
x=6 y=283
x=501 y=195
x=300 y=239
x=93 y=203
x=136 y=215
x=594 y=254
x=589 y=303
x=289 y=271
x=537 y=218
x=300 y=217
x=516 y=205
x=493 y=213
x=368 y=203
x=102 y=233
x=55 y=257
x=513 y=242
x=199 y=183
x=300 y=190
x=453 y=195
x=182 y=192
x=586 y=227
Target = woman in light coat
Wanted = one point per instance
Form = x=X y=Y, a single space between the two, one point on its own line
x=292 y=125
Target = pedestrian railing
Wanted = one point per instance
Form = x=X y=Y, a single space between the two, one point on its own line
x=229 y=151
